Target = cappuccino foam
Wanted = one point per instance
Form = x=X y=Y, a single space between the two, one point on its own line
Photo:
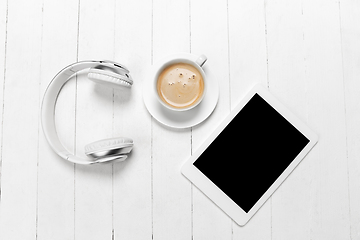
x=180 y=85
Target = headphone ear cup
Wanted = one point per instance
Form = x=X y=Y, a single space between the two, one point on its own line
x=109 y=78
x=109 y=147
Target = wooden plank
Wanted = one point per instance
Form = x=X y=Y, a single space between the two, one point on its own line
x=132 y=206
x=247 y=47
x=329 y=212
x=3 y=44
x=209 y=36
x=287 y=81
x=248 y=65
x=171 y=192
x=20 y=121
x=94 y=121
x=350 y=35
x=56 y=176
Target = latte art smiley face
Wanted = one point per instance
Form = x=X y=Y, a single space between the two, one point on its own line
x=180 y=85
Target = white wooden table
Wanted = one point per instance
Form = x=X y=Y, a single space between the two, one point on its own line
x=306 y=52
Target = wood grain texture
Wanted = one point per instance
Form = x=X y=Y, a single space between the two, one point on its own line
x=209 y=36
x=20 y=121
x=55 y=213
x=350 y=48
x=326 y=114
x=305 y=52
x=288 y=80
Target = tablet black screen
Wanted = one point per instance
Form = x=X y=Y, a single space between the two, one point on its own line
x=251 y=152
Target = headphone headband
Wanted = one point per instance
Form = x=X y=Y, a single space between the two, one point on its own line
x=51 y=95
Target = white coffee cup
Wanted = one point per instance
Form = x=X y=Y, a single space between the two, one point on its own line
x=181 y=58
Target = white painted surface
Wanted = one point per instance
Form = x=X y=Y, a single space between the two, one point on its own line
x=306 y=52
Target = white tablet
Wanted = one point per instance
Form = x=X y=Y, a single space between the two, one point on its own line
x=249 y=155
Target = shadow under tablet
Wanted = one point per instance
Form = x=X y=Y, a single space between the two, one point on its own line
x=261 y=143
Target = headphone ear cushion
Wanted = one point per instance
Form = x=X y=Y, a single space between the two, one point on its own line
x=109 y=78
x=109 y=147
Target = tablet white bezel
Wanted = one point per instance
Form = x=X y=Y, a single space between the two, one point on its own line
x=216 y=194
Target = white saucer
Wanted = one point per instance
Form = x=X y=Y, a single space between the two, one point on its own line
x=183 y=119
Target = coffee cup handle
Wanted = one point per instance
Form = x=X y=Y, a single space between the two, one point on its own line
x=201 y=60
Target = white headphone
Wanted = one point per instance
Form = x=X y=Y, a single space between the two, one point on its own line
x=104 y=72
